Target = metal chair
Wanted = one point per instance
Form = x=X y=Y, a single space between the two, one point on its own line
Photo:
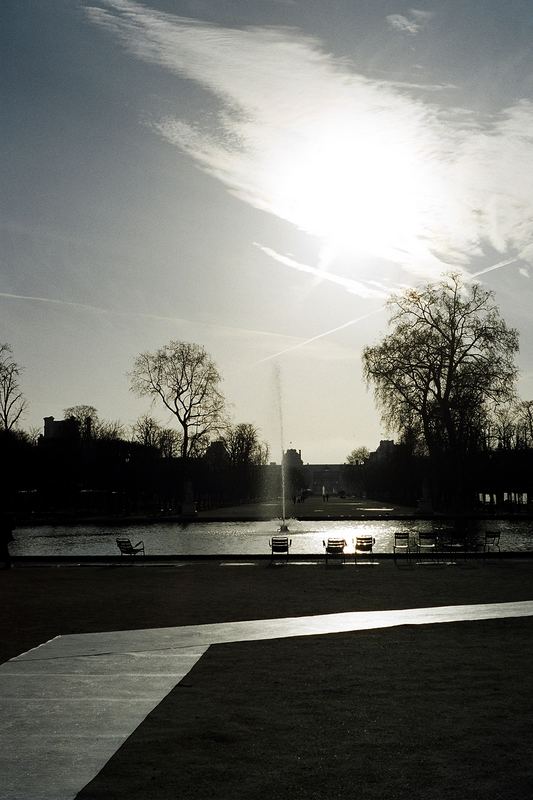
x=491 y=543
x=128 y=549
x=363 y=546
x=279 y=546
x=334 y=548
x=427 y=544
x=402 y=543
x=455 y=543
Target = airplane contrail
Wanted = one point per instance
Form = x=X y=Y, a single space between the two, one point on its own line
x=496 y=266
x=232 y=329
x=322 y=335
x=500 y=264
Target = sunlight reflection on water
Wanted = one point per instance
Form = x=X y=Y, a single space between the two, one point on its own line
x=234 y=538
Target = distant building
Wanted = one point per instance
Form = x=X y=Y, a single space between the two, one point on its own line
x=315 y=476
x=329 y=476
x=62 y=429
x=384 y=452
x=293 y=458
x=216 y=454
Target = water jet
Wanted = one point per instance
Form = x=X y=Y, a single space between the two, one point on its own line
x=283 y=528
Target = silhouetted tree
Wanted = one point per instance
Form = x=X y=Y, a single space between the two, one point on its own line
x=511 y=427
x=86 y=416
x=525 y=422
x=449 y=359
x=147 y=431
x=504 y=428
x=446 y=365
x=12 y=401
x=359 y=455
x=169 y=443
x=243 y=445
x=91 y=426
x=109 y=430
x=184 y=377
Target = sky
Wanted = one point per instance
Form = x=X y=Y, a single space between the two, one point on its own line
x=256 y=176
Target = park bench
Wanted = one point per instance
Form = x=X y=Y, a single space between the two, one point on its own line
x=128 y=549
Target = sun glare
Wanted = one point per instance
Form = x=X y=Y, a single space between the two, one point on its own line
x=357 y=187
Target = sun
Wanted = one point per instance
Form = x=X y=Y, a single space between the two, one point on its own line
x=357 y=186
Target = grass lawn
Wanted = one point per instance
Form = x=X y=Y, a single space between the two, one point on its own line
x=437 y=711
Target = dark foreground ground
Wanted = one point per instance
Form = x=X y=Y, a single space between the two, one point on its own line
x=442 y=711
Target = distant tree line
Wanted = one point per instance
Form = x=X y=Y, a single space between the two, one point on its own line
x=148 y=463
x=444 y=379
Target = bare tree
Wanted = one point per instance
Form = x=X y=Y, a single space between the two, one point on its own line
x=169 y=443
x=447 y=362
x=33 y=433
x=86 y=416
x=109 y=430
x=146 y=431
x=184 y=377
x=149 y=432
x=12 y=401
x=91 y=426
x=243 y=445
x=504 y=427
x=525 y=422
x=511 y=427
x=358 y=456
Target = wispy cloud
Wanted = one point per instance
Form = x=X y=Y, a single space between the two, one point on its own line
x=411 y=23
x=346 y=158
x=423 y=87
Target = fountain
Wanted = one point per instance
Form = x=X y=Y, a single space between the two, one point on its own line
x=277 y=380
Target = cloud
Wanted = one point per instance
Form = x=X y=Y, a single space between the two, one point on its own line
x=412 y=23
x=425 y=87
x=352 y=161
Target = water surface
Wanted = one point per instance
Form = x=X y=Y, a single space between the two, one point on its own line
x=239 y=538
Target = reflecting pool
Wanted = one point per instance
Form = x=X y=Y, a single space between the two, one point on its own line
x=240 y=538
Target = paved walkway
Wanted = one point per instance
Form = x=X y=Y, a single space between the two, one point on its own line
x=313 y=508
x=68 y=705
